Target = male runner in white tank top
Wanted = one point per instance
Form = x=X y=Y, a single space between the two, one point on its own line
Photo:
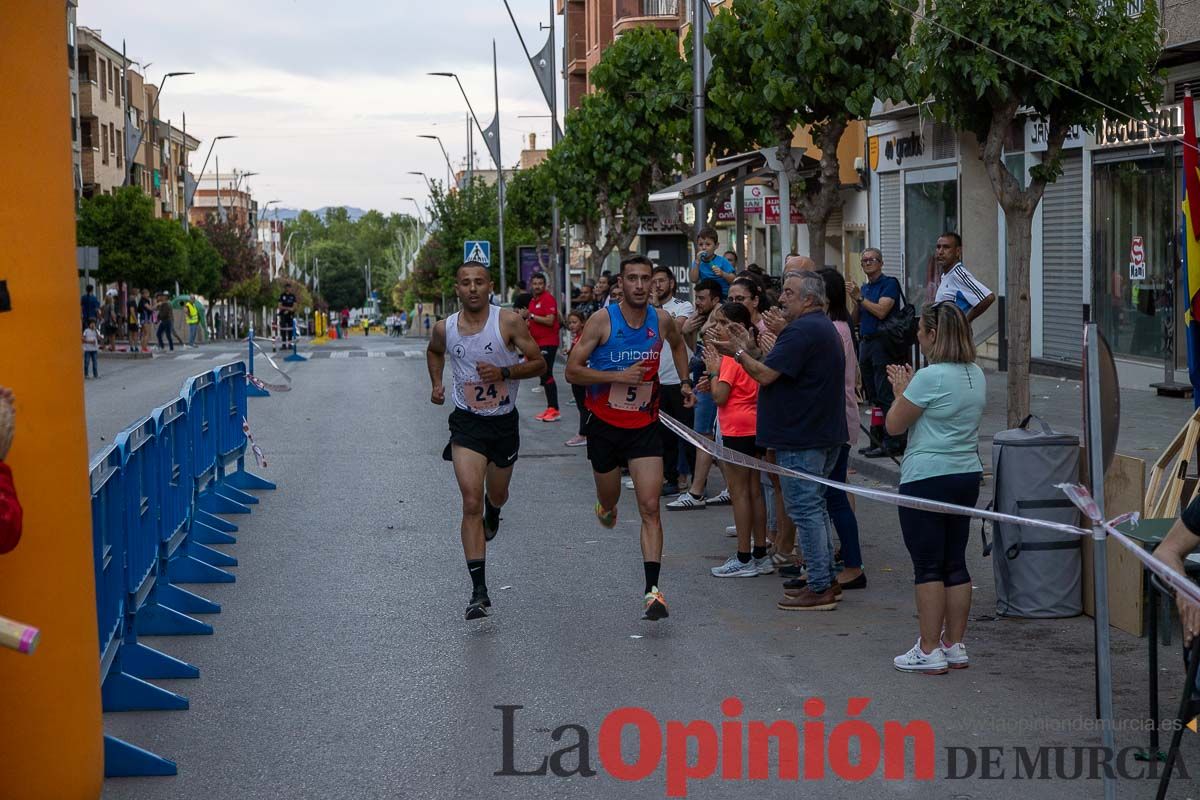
x=490 y=351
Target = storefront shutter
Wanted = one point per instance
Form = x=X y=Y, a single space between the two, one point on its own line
x=890 y=196
x=1062 y=264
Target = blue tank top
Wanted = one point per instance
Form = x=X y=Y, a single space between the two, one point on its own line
x=623 y=405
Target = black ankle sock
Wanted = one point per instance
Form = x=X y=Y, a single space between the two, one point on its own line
x=760 y=552
x=697 y=496
x=743 y=557
x=476 y=569
x=652 y=568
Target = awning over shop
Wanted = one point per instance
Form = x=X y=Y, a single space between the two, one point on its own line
x=727 y=173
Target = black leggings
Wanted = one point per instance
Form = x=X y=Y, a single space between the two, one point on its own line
x=547 y=379
x=937 y=542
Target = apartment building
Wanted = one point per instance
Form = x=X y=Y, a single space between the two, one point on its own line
x=589 y=27
x=173 y=147
x=101 y=121
x=225 y=196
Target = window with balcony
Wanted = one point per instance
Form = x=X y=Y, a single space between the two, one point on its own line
x=104 y=144
x=1133 y=7
x=103 y=70
x=85 y=68
x=87 y=138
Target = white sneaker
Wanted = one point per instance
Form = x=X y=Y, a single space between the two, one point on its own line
x=731 y=530
x=764 y=565
x=686 y=502
x=627 y=483
x=721 y=499
x=736 y=569
x=917 y=660
x=536 y=390
x=956 y=655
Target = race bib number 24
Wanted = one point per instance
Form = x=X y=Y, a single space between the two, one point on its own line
x=486 y=396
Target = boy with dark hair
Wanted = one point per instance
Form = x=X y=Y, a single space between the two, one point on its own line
x=708 y=264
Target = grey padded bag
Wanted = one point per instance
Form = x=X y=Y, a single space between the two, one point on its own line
x=1038 y=572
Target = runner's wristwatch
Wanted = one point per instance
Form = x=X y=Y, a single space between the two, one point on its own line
x=504 y=373
x=737 y=357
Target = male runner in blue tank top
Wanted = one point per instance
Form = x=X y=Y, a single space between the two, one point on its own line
x=486 y=345
x=617 y=360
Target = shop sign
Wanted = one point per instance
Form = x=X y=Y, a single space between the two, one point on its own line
x=1165 y=124
x=1137 y=259
x=1037 y=130
x=905 y=148
x=752 y=204
x=771 y=212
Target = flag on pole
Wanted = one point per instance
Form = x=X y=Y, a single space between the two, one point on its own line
x=1190 y=240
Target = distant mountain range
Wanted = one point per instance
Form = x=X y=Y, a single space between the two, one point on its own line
x=292 y=213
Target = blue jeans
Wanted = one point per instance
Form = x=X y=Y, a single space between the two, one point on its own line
x=704 y=414
x=805 y=504
x=844 y=521
x=193 y=327
x=90 y=357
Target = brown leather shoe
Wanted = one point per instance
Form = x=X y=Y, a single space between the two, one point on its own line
x=835 y=587
x=808 y=600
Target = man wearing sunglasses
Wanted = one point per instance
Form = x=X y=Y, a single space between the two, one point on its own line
x=873 y=304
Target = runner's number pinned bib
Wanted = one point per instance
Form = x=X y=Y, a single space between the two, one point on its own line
x=484 y=396
x=630 y=398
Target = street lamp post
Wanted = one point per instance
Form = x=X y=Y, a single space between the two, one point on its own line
x=449 y=166
x=428 y=185
x=420 y=216
x=496 y=158
x=154 y=113
x=189 y=185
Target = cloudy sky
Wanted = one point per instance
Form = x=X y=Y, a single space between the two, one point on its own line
x=327 y=98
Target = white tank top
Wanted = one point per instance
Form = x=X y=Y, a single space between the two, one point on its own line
x=470 y=393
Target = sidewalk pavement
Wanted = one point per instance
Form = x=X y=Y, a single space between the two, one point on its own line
x=1148 y=422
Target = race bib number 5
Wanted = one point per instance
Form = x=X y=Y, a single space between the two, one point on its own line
x=630 y=398
x=486 y=396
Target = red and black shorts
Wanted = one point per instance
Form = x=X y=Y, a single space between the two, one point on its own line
x=610 y=447
x=497 y=438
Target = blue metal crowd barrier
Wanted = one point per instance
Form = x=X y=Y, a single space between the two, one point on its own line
x=155 y=495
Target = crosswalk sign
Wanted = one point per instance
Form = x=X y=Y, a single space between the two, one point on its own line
x=480 y=252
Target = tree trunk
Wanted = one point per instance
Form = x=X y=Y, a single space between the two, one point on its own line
x=816 y=234
x=1017 y=311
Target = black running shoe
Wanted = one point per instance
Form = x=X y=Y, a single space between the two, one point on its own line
x=480 y=603
x=491 y=519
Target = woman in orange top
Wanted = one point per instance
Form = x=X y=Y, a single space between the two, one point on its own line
x=736 y=396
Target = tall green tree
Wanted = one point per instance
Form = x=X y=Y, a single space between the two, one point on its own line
x=782 y=64
x=1095 y=48
x=624 y=139
x=527 y=208
x=244 y=269
x=134 y=246
x=203 y=276
x=343 y=279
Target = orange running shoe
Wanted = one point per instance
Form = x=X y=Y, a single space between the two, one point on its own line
x=654 y=605
x=551 y=415
x=607 y=518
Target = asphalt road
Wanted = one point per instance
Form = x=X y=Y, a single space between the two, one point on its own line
x=341 y=666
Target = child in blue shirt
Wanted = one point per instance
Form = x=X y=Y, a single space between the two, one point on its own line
x=708 y=264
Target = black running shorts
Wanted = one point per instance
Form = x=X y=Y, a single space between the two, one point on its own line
x=610 y=447
x=743 y=444
x=497 y=438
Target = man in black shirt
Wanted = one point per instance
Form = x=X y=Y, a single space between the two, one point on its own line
x=287 y=311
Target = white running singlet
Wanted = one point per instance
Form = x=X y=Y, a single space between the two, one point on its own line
x=470 y=393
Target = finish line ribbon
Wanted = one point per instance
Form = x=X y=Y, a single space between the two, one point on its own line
x=1078 y=495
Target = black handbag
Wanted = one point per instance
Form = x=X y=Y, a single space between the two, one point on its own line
x=900 y=328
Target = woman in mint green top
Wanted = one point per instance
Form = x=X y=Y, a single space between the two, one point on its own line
x=940 y=407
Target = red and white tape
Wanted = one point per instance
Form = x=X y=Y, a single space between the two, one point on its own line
x=1078 y=495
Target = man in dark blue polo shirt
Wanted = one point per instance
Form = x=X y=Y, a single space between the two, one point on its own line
x=802 y=417
x=874 y=303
